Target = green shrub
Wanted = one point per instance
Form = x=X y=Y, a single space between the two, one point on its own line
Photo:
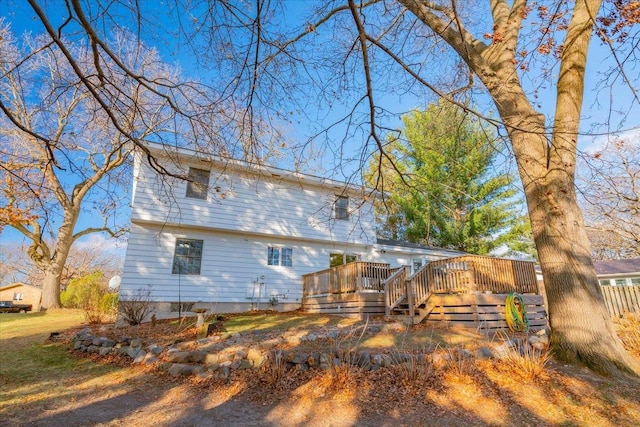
x=90 y=293
x=109 y=304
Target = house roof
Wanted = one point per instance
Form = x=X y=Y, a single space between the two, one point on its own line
x=407 y=245
x=617 y=266
x=227 y=163
x=17 y=285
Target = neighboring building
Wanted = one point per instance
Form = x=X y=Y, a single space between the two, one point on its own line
x=21 y=293
x=241 y=236
x=620 y=272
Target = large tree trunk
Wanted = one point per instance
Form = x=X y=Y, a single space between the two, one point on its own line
x=582 y=330
x=54 y=265
x=51 y=289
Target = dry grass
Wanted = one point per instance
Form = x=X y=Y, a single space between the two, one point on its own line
x=274 y=367
x=523 y=360
x=525 y=388
x=629 y=332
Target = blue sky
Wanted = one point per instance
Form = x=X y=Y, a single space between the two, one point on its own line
x=596 y=104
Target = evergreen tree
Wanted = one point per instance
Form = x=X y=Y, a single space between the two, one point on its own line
x=445 y=188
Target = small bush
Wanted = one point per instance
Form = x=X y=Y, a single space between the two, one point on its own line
x=274 y=367
x=88 y=293
x=135 y=308
x=109 y=304
x=526 y=361
x=414 y=370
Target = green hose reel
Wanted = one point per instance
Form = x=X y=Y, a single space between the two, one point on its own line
x=515 y=313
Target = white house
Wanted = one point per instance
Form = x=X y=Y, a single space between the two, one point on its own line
x=619 y=272
x=240 y=236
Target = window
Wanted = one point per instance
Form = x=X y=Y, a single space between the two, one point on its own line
x=188 y=256
x=18 y=296
x=621 y=282
x=417 y=264
x=198 y=186
x=341 y=208
x=184 y=307
x=273 y=256
x=337 y=259
x=279 y=256
x=635 y=281
x=287 y=255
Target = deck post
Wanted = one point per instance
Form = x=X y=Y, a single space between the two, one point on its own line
x=410 y=300
x=359 y=267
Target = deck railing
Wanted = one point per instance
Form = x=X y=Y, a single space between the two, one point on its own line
x=464 y=274
x=353 y=277
x=395 y=288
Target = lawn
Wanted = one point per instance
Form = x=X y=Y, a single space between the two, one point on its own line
x=43 y=384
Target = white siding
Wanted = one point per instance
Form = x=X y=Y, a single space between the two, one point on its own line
x=231 y=264
x=258 y=204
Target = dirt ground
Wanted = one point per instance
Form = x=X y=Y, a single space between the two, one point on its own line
x=461 y=393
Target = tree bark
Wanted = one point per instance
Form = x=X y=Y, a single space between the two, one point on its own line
x=51 y=289
x=582 y=330
x=54 y=266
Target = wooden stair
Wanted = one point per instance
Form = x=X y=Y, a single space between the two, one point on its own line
x=401 y=312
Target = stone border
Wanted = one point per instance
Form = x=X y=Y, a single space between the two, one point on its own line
x=220 y=354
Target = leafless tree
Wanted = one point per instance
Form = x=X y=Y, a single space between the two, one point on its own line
x=610 y=185
x=84 y=258
x=61 y=154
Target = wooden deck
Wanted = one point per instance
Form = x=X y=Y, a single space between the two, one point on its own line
x=466 y=291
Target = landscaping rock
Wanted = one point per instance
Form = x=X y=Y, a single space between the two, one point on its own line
x=133 y=352
x=364 y=359
x=223 y=372
x=106 y=342
x=150 y=359
x=155 y=349
x=197 y=356
x=178 y=356
x=256 y=357
x=484 y=353
x=177 y=369
x=297 y=358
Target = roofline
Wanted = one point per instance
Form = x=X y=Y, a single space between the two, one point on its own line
x=17 y=284
x=224 y=163
x=409 y=246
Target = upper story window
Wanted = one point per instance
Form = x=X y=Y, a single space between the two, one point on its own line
x=279 y=256
x=187 y=258
x=198 y=186
x=341 y=208
x=18 y=296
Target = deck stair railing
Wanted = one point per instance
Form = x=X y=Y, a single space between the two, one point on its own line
x=395 y=288
x=464 y=274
